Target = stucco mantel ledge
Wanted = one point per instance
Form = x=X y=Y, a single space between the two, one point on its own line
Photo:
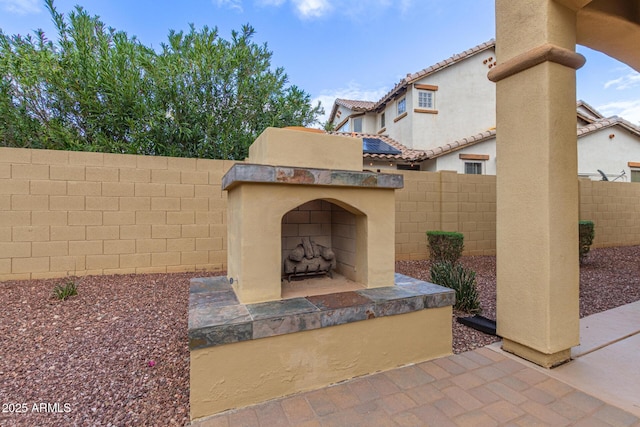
x=217 y=318
x=267 y=174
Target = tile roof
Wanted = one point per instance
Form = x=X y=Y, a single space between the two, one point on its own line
x=608 y=122
x=355 y=105
x=483 y=136
x=407 y=154
x=358 y=106
x=411 y=78
x=459 y=144
x=591 y=115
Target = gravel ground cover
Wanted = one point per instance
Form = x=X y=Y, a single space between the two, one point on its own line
x=117 y=354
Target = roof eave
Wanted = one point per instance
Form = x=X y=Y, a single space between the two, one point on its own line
x=452 y=60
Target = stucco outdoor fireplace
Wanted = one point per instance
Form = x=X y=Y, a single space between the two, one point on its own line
x=272 y=209
x=251 y=338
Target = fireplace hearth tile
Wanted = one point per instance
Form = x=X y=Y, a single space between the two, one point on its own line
x=343 y=307
x=205 y=316
x=339 y=300
x=286 y=325
x=388 y=293
x=209 y=285
x=399 y=306
x=340 y=316
x=433 y=295
x=439 y=300
x=393 y=300
x=276 y=309
x=216 y=317
x=213 y=299
x=218 y=335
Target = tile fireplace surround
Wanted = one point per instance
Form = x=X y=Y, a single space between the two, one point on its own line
x=247 y=343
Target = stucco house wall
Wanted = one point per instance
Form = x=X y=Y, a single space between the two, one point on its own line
x=609 y=150
x=461 y=101
x=453 y=162
x=400 y=126
x=464 y=117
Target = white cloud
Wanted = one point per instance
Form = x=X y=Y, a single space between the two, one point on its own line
x=628 y=110
x=625 y=82
x=271 y=2
x=354 y=9
x=405 y=5
x=21 y=7
x=231 y=4
x=312 y=8
x=353 y=91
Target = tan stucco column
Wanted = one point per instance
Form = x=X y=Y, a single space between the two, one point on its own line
x=537 y=185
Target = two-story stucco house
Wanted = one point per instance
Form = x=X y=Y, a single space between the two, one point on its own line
x=444 y=102
x=443 y=118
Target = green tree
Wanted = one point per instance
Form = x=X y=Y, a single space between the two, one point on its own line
x=97 y=89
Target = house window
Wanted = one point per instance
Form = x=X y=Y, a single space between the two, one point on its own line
x=402 y=106
x=473 y=168
x=357 y=124
x=635 y=171
x=426 y=99
x=382 y=120
x=409 y=167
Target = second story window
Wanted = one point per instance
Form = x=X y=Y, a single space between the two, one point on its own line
x=382 y=120
x=426 y=99
x=402 y=106
x=357 y=124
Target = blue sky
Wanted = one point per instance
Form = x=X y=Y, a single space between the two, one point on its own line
x=355 y=49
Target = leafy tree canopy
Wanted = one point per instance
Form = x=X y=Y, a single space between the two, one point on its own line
x=97 y=89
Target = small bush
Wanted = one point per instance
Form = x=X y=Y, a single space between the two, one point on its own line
x=445 y=246
x=62 y=292
x=461 y=280
x=586 y=233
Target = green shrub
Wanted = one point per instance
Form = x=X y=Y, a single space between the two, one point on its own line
x=62 y=292
x=445 y=246
x=586 y=233
x=461 y=280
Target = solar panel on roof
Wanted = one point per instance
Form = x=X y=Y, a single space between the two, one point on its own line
x=378 y=146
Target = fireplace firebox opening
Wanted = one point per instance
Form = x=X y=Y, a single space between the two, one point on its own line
x=328 y=229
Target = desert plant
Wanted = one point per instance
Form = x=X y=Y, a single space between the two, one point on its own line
x=445 y=246
x=461 y=280
x=62 y=292
x=586 y=233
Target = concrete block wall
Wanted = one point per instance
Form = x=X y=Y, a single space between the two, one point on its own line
x=71 y=213
x=445 y=201
x=418 y=209
x=614 y=207
x=74 y=213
